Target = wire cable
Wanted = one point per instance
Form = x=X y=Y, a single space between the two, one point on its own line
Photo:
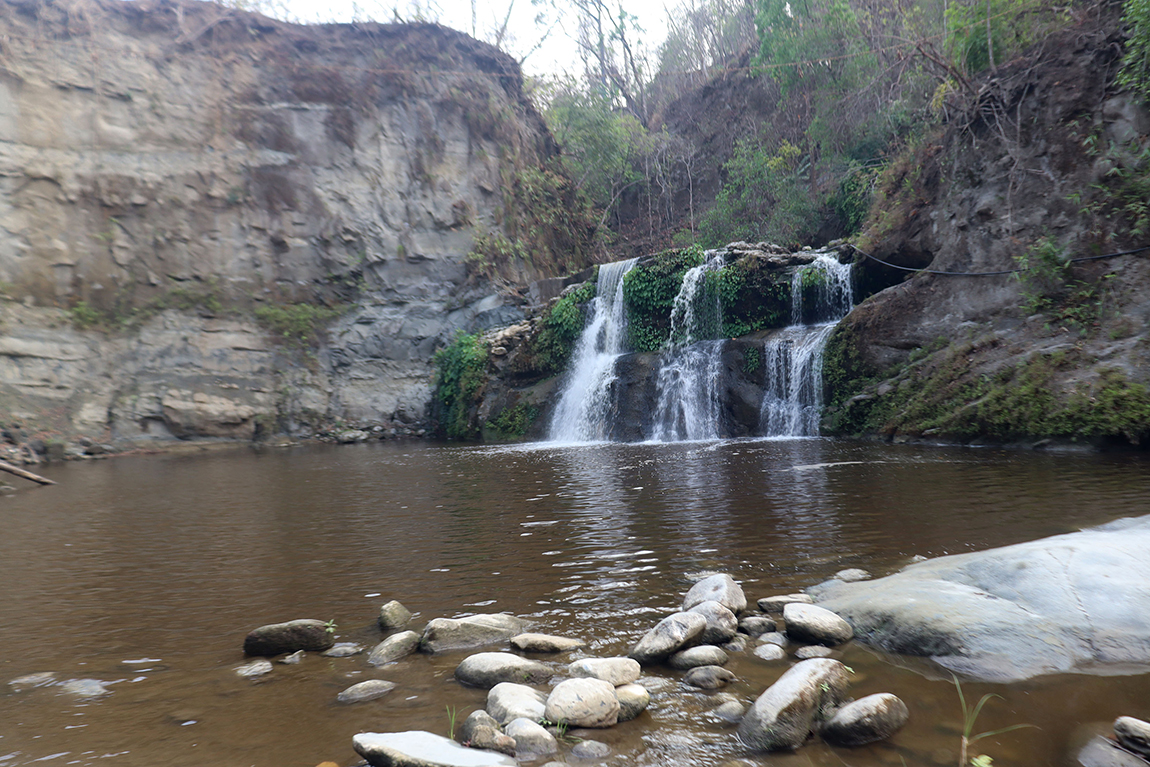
x=996 y=273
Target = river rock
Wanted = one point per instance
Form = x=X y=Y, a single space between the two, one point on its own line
x=709 y=677
x=590 y=749
x=731 y=711
x=418 y=748
x=344 y=650
x=254 y=669
x=617 y=671
x=1133 y=734
x=583 y=703
x=293 y=659
x=673 y=633
x=531 y=739
x=815 y=625
x=1059 y=604
x=773 y=637
x=1103 y=752
x=480 y=730
x=776 y=603
x=545 y=643
x=393 y=648
x=787 y=712
x=633 y=700
x=756 y=626
x=443 y=634
x=276 y=638
x=737 y=644
x=866 y=720
x=771 y=652
x=507 y=701
x=813 y=651
x=94 y=688
x=393 y=615
x=365 y=691
x=722 y=624
x=487 y=669
x=693 y=657
x=719 y=588
x=853 y=575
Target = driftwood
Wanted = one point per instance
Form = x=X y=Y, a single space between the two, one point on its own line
x=24 y=474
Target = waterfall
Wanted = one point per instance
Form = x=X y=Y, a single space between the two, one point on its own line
x=581 y=414
x=689 y=391
x=793 y=396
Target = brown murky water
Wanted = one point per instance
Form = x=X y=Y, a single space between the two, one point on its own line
x=146 y=573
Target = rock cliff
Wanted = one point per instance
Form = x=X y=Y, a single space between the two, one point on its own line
x=188 y=193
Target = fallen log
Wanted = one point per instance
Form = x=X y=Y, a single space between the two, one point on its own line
x=24 y=474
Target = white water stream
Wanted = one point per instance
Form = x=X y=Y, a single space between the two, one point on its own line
x=583 y=411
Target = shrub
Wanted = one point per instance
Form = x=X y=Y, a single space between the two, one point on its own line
x=295 y=324
x=461 y=373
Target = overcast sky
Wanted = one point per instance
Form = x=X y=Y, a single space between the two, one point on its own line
x=558 y=54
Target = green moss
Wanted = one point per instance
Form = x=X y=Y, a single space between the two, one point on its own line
x=461 y=373
x=649 y=292
x=513 y=422
x=295 y=324
x=559 y=330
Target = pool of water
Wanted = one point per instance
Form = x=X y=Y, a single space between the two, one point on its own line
x=147 y=572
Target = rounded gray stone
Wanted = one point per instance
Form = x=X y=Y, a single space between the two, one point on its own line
x=693 y=657
x=673 y=633
x=583 y=703
x=254 y=669
x=531 y=738
x=633 y=700
x=508 y=700
x=722 y=624
x=737 y=644
x=720 y=588
x=1103 y=752
x=545 y=643
x=731 y=711
x=617 y=671
x=771 y=652
x=394 y=648
x=393 y=615
x=343 y=650
x=853 y=575
x=590 y=749
x=813 y=651
x=866 y=720
x=775 y=604
x=443 y=634
x=1133 y=734
x=487 y=669
x=816 y=625
x=773 y=637
x=365 y=691
x=756 y=626
x=788 y=711
x=278 y=638
x=709 y=677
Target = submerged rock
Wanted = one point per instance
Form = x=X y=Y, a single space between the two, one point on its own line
x=583 y=703
x=787 y=713
x=813 y=651
x=393 y=615
x=507 y=701
x=487 y=669
x=343 y=650
x=670 y=635
x=365 y=691
x=418 y=748
x=94 y=688
x=293 y=659
x=720 y=588
x=731 y=711
x=703 y=655
x=393 y=648
x=276 y=638
x=866 y=720
x=722 y=625
x=28 y=681
x=816 y=625
x=443 y=634
x=254 y=669
x=617 y=671
x=590 y=749
x=1059 y=604
x=771 y=652
x=545 y=643
x=853 y=574
x=709 y=677
x=633 y=700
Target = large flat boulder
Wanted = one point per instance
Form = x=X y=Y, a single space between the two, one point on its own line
x=1078 y=602
x=444 y=634
x=422 y=749
x=277 y=638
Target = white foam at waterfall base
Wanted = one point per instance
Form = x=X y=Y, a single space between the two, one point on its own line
x=688 y=385
x=583 y=409
x=793 y=357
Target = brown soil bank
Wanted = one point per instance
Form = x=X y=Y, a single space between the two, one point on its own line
x=1045 y=163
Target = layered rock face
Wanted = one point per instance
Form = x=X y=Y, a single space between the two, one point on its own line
x=170 y=168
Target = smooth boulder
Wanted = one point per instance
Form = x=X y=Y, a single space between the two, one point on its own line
x=775 y=604
x=393 y=615
x=444 y=634
x=545 y=643
x=531 y=738
x=365 y=691
x=1133 y=734
x=722 y=625
x=720 y=588
x=487 y=669
x=633 y=700
x=393 y=648
x=417 y=748
x=788 y=711
x=756 y=625
x=1069 y=602
x=278 y=638
x=508 y=700
x=480 y=730
x=770 y=652
x=866 y=720
x=693 y=657
x=673 y=633
x=709 y=677
x=812 y=624
x=583 y=703
x=1103 y=752
x=617 y=671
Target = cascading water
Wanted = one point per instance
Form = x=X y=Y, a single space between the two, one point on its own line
x=688 y=385
x=581 y=414
x=793 y=399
